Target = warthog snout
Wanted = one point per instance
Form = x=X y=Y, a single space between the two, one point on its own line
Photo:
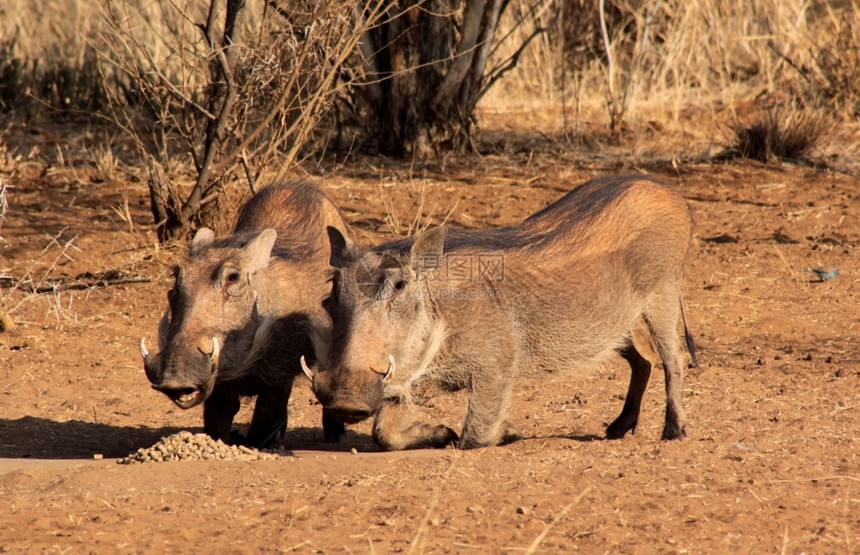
x=178 y=383
x=348 y=396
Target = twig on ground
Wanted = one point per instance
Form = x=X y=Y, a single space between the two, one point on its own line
x=83 y=281
x=533 y=547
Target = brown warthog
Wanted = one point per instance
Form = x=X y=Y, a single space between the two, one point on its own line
x=243 y=310
x=595 y=273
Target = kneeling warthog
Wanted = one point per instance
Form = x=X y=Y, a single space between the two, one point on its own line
x=595 y=273
x=243 y=310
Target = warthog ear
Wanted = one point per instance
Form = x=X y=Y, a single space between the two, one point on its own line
x=258 y=250
x=343 y=251
x=203 y=238
x=427 y=249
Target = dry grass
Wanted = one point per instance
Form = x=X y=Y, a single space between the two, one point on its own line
x=788 y=134
x=714 y=59
x=35 y=280
x=696 y=53
x=422 y=216
x=46 y=62
x=4 y=205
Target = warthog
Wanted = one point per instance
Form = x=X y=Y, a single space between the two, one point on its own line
x=595 y=273
x=243 y=309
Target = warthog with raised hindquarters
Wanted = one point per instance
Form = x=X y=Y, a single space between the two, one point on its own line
x=243 y=309
x=598 y=272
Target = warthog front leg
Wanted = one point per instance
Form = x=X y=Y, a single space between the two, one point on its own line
x=219 y=409
x=270 y=416
x=485 y=422
x=396 y=428
x=333 y=431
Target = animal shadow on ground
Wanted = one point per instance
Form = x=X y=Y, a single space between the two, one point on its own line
x=41 y=438
x=582 y=438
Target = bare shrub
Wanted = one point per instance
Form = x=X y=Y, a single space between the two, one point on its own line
x=784 y=133
x=424 y=68
x=620 y=81
x=229 y=92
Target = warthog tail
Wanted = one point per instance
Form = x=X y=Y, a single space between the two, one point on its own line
x=691 y=346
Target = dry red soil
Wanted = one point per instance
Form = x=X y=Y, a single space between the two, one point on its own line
x=771 y=464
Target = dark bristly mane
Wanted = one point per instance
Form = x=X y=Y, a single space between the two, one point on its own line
x=303 y=220
x=573 y=211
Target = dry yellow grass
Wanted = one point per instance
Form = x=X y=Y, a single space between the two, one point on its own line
x=697 y=52
x=720 y=61
x=700 y=50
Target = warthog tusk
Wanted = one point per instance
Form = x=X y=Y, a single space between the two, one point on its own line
x=216 y=350
x=390 y=372
x=143 y=352
x=306 y=369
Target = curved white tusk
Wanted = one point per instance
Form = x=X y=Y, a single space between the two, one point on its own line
x=213 y=358
x=216 y=350
x=306 y=369
x=143 y=352
x=390 y=372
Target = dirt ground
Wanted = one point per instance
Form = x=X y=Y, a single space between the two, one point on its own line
x=771 y=464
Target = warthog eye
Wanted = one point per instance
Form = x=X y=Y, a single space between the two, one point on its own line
x=399 y=285
x=232 y=282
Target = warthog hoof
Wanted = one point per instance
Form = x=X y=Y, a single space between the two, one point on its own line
x=237 y=437
x=674 y=432
x=619 y=428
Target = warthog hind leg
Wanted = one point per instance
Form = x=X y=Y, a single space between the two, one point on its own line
x=640 y=373
x=663 y=327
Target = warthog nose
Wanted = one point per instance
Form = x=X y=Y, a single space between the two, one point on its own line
x=348 y=415
x=173 y=391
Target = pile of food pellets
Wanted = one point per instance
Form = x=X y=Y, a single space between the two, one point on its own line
x=187 y=446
